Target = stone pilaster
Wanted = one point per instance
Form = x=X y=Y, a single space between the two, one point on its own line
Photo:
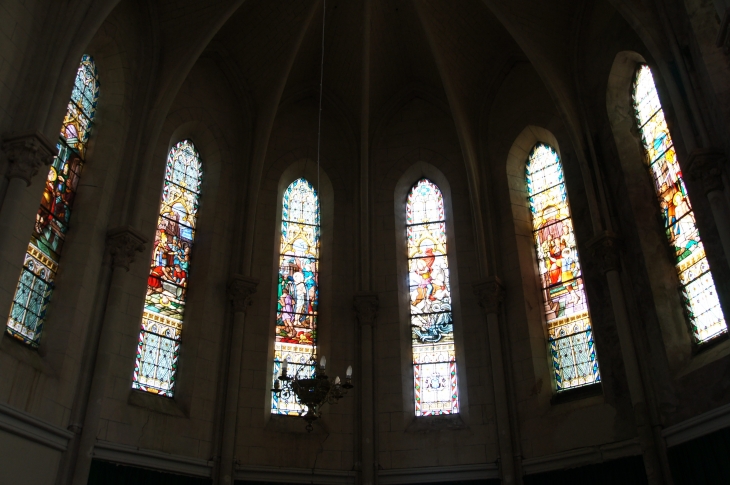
x=605 y=250
x=122 y=244
x=365 y=305
x=27 y=153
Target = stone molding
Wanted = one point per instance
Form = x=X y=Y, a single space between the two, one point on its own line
x=606 y=251
x=366 y=306
x=697 y=426
x=581 y=457
x=270 y=474
x=705 y=165
x=27 y=153
x=240 y=292
x=122 y=243
x=154 y=460
x=490 y=293
x=29 y=427
x=439 y=474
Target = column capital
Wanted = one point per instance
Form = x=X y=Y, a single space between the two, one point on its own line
x=122 y=243
x=366 y=306
x=606 y=251
x=490 y=293
x=705 y=165
x=27 y=153
x=240 y=291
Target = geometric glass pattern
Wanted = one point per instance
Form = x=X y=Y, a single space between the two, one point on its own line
x=164 y=307
x=699 y=295
x=435 y=387
x=36 y=281
x=570 y=333
x=297 y=289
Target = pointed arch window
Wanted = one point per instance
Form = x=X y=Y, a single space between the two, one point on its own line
x=164 y=307
x=699 y=296
x=297 y=289
x=435 y=387
x=36 y=282
x=569 y=328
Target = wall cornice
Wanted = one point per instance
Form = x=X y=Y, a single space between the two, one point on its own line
x=155 y=460
x=30 y=427
x=697 y=426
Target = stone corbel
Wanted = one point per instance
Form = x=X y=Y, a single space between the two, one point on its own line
x=366 y=305
x=606 y=251
x=27 y=153
x=490 y=293
x=122 y=244
x=240 y=292
x=705 y=165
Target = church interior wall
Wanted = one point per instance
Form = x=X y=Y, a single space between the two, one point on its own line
x=219 y=106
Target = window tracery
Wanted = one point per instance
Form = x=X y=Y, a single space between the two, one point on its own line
x=570 y=333
x=36 y=282
x=699 y=296
x=162 y=319
x=432 y=329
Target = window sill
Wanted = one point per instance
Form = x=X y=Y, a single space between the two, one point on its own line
x=576 y=394
x=25 y=353
x=706 y=353
x=445 y=422
x=155 y=403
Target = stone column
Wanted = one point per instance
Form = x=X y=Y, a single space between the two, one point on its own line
x=27 y=153
x=366 y=310
x=605 y=251
x=240 y=292
x=705 y=165
x=122 y=245
x=490 y=294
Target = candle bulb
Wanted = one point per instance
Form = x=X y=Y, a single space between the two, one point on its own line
x=348 y=373
x=337 y=381
x=323 y=362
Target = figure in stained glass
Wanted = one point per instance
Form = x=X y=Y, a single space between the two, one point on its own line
x=297 y=288
x=432 y=328
x=167 y=282
x=36 y=281
x=566 y=309
x=699 y=295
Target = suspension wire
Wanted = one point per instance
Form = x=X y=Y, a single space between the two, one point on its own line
x=321 y=79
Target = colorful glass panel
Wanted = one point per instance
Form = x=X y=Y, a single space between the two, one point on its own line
x=432 y=328
x=570 y=333
x=297 y=288
x=698 y=288
x=36 y=281
x=167 y=283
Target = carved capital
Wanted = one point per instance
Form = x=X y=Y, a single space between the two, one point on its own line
x=606 y=251
x=705 y=165
x=240 y=292
x=27 y=153
x=490 y=293
x=365 y=305
x=122 y=244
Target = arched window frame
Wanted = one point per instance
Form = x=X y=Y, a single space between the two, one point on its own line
x=164 y=309
x=699 y=296
x=297 y=316
x=567 y=316
x=36 y=281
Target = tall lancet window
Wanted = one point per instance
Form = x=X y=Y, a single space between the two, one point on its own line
x=435 y=386
x=36 y=281
x=698 y=288
x=167 y=283
x=297 y=289
x=570 y=333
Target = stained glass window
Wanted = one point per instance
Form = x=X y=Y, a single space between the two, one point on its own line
x=36 y=281
x=570 y=333
x=698 y=288
x=167 y=283
x=297 y=289
x=435 y=386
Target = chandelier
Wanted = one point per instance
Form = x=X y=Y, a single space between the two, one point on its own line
x=312 y=389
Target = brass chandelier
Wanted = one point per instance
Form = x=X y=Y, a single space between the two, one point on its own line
x=312 y=389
